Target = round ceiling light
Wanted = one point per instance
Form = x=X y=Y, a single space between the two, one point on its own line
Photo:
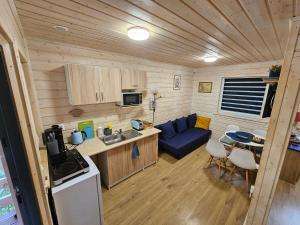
x=138 y=33
x=61 y=28
x=210 y=59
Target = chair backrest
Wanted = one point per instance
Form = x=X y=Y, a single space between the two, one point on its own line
x=261 y=133
x=232 y=127
x=216 y=149
x=243 y=158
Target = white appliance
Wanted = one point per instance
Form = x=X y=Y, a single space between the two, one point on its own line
x=79 y=200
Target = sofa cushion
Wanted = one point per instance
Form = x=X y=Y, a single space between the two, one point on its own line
x=181 y=124
x=192 y=120
x=189 y=139
x=202 y=122
x=168 y=130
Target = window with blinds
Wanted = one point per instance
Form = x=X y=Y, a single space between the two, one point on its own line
x=243 y=95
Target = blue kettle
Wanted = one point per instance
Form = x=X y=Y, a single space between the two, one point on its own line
x=77 y=137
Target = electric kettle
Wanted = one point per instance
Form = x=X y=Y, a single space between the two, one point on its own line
x=77 y=137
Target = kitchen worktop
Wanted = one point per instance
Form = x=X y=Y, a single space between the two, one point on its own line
x=95 y=146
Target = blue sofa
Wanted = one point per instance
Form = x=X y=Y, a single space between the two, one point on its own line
x=180 y=137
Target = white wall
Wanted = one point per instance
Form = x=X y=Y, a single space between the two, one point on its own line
x=48 y=60
x=207 y=104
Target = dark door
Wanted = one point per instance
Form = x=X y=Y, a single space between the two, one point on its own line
x=14 y=152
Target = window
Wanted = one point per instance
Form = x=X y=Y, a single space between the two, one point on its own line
x=243 y=95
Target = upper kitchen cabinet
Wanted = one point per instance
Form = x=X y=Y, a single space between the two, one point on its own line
x=110 y=85
x=133 y=79
x=92 y=84
x=83 y=84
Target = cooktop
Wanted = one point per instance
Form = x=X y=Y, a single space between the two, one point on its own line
x=73 y=166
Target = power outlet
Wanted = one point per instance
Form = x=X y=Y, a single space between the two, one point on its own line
x=62 y=126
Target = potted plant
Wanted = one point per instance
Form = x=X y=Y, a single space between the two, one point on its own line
x=275 y=71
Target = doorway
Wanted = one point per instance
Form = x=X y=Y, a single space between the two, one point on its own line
x=19 y=205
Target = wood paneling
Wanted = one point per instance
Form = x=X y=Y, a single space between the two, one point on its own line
x=207 y=104
x=48 y=60
x=182 y=31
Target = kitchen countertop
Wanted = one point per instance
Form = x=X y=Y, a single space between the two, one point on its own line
x=92 y=147
x=95 y=146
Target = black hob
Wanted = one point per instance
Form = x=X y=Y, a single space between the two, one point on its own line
x=72 y=166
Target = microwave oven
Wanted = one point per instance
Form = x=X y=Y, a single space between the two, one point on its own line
x=131 y=98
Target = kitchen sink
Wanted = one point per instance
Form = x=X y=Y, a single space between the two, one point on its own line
x=112 y=139
x=118 y=137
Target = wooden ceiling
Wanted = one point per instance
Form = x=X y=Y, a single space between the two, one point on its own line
x=182 y=31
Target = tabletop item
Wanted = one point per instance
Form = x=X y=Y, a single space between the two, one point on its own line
x=77 y=137
x=235 y=137
x=88 y=128
x=244 y=135
x=107 y=131
x=137 y=124
x=100 y=132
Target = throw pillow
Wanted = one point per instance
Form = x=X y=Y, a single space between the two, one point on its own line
x=192 y=120
x=202 y=122
x=168 y=130
x=181 y=124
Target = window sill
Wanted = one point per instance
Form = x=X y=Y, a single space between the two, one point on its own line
x=243 y=117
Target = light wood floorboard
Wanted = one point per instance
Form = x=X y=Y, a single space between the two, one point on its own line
x=286 y=205
x=177 y=192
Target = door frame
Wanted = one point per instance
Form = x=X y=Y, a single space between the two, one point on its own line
x=285 y=107
x=23 y=109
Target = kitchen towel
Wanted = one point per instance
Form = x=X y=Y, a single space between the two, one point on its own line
x=135 y=152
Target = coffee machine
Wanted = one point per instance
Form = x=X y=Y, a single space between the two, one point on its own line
x=54 y=140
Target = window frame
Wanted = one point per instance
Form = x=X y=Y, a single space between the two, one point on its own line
x=240 y=114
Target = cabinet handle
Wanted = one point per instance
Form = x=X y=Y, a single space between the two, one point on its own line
x=102 y=96
x=97 y=96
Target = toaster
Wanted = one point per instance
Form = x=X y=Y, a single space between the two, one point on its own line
x=137 y=124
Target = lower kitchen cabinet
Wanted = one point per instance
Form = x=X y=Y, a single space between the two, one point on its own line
x=118 y=164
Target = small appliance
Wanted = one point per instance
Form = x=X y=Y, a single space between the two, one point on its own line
x=77 y=137
x=131 y=98
x=78 y=201
x=137 y=124
x=72 y=166
x=54 y=140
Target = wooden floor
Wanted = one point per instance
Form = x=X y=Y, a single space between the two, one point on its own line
x=176 y=192
x=285 y=208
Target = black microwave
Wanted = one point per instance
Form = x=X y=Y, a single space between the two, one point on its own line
x=131 y=98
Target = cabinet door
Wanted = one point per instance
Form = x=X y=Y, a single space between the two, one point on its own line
x=129 y=80
x=117 y=164
x=135 y=165
x=150 y=150
x=83 y=84
x=141 y=78
x=110 y=85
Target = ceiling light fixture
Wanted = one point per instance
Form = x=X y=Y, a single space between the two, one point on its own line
x=210 y=59
x=61 y=28
x=138 y=33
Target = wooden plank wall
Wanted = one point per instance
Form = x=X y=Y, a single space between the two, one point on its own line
x=207 y=104
x=10 y=23
x=48 y=59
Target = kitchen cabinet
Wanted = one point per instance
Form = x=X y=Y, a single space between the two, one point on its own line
x=92 y=84
x=118 y=164
x=134 y=165
x=110 y=85
x=150 y=150
x=133 y=79
x=83 y=84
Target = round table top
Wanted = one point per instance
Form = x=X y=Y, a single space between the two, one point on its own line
x=251 y=143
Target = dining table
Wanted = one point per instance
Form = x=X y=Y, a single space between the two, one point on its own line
x=249 y=142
